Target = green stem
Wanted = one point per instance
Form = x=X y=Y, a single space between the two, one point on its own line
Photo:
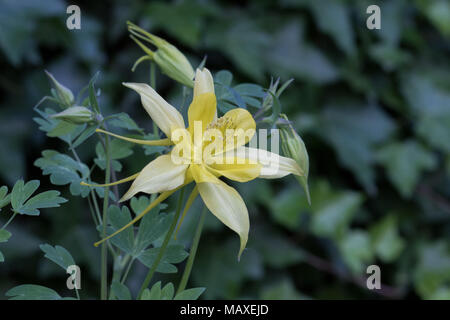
x=9 y=221
x=192 y=253
x=125 y=275
x=163 y=248
x=104 y=250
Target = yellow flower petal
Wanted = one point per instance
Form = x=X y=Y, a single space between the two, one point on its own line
x=227 y=205
x=201 y=174
x=272 y=165
x=203 y=109
x=236 y=169
x=159 y=175
x=166 y=117
x=204 y=82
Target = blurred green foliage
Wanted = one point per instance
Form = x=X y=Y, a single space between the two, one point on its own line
x=372 y=106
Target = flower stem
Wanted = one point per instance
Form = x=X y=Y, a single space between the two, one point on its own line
x=192 y=253
x=9 y=220
x=104 y=250
x=163 y=248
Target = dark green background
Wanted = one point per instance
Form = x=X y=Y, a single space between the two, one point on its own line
x=373 y=107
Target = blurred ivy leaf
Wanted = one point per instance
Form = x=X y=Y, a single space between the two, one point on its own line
x=386 y=241
x=295 y=57
x=174 y=254
x=64 y=170
x=189 y=294
x=281 y=290
x=365 y=127
x=333 y=17
x=433 y=268
x=120 y=291
x=182 y=19
x=58 y=255
x=233 y=274
x=32 y=292
x=276 y=251
x=405 y=162
x=438 y=12
x=287 y=209
x=356 y=249
x=119 y=149
x=23 y=204
x=332 y=210
x=242 y=41
x=18 y=23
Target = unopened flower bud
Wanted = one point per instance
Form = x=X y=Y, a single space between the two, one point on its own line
x=293 y=147
x=76 y=115
x=63 y=94
x=172 y=62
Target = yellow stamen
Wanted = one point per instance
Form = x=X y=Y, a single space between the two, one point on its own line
x=189 y=202
x=163 y=196
x=160 y=142
x=134 y=176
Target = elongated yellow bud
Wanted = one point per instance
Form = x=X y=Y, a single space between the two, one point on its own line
x=172 y=62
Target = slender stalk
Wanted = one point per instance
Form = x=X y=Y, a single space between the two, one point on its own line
x=192 y=253
x=9 y=220
x=163 y=248
x=125 y=275
x=104 y=250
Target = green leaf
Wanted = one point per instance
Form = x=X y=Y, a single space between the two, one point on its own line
x=152 y=226
x=365 y=127
x=356 y=249
x=5 y=198
x=333 y=18
x=121 y=291
x=174 y=254
x=119 y=149
x=21 y=192
x=118 y=218
x=58 y=255
x=281 y=290
x=47 y=199
x=386 y=241
x=433 y=268
x=86 y=134
x=4 y=235
x=123 y=120
x=2 y=257
x=405 y=162
x=156 y=293
x=189 y=294
x=64 y=170
x=32 y=292
x=333 y=210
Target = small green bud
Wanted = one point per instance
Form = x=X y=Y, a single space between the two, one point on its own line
x=172 y=62
x=293 y=147
x=76 y=115
x=63 y=94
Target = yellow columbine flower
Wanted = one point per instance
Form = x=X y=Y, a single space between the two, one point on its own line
x=203 y=160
